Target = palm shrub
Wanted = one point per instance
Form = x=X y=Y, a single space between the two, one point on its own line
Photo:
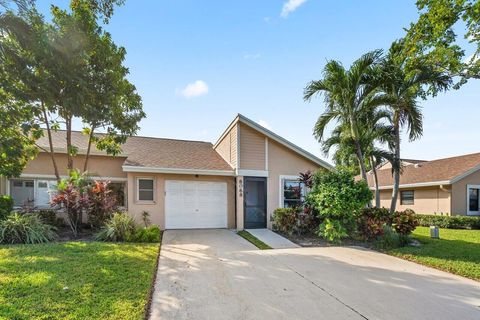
x=337 y=198
x=6 y=206
x=27 y=228
x=120 y=227
x=148 y=234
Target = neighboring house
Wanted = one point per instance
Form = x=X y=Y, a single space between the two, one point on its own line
x=448 y=186
x=235 y=183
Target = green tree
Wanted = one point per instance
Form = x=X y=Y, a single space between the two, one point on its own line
x=347 y=93
x=69 y=68
x=404 y=88
x=432 y=40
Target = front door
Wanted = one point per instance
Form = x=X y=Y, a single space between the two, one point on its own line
x=255 y=206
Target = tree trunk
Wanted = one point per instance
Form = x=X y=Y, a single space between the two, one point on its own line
x=68 y=124
x=375 y=182
x=87 y=156
x=396 y=166
x=361 y=160
x=50 y=143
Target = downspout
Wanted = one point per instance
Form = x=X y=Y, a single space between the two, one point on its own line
x=235 y=197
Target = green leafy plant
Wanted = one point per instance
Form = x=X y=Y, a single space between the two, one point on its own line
x=120 y=227
x=332 y=230
x=405 y=222
x=147 y=234
x=28 y=228
x=449 y=222
x=371 y=222
x=337 y=198
x=294 y=220
x=50 y=217
x=6 y=206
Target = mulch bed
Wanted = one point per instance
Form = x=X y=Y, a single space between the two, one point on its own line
x=312 y=240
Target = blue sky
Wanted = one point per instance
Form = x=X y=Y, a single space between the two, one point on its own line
x=255 y=57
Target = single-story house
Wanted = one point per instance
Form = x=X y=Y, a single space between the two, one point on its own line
x=235 y=183
x=449 y=186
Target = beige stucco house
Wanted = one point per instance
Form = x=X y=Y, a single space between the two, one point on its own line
x=449 y=186
x=235 y=183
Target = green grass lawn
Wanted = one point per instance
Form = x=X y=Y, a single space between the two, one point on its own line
x=76 y=280
x=457 y=251
x=254 y=240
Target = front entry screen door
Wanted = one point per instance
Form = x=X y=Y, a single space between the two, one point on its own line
x=255 y=203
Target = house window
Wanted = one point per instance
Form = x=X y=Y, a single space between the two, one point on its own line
x=118 y=190
x=407 y=197
x=22 y=192
x=293 y=193
x=145 y=191
x=473 y=199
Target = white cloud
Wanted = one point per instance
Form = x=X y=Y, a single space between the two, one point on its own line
x=290 y=6
x=265 y=124
x=252 y=56
x=194 y=89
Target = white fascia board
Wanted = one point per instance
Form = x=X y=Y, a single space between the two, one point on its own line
x=465 y=174
x=178 y=171
x=251 y=173
x=415 y=185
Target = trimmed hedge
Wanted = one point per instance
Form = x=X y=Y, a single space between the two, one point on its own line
x=449 y=222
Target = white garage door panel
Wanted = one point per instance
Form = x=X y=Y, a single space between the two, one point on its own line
x=195 y=204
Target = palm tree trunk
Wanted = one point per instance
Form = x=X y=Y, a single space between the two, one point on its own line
x=375 y=182
x=396 y=166
x=361 y=160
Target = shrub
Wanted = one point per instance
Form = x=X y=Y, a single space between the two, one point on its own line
x=102 y=203
x=146 y=218
x=390 y=239
x=332 y=230
x=449 y=222
x=337 y=198
x=405 y=222
x=147 y=234
x=120 y=227
x=49 y=217
x=6 y=206
x=294 y=220
x=72 y=196
x=28 y=228
x=371 y=222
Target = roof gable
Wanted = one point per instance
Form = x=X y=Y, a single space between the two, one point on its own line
x=271 y=135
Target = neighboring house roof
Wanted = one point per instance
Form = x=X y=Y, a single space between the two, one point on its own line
x=434 y=172
x=252 y=124
x=145 y=154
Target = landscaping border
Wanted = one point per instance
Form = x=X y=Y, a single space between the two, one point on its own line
x=148 y=305
x=253 y=240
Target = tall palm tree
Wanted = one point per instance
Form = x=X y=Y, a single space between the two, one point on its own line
x=403 y=88
x=346 y=93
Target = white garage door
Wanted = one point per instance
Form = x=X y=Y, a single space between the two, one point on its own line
x=195 y=204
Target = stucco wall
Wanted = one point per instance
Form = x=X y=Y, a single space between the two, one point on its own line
x=227 y=147
x=459 y=193
x=157 y=209
x=427 y=200
x=252 y=149
x=102 y=166
x=282 y=161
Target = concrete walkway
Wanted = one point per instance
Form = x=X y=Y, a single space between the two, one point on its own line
x=216 y=274
x=274 y=240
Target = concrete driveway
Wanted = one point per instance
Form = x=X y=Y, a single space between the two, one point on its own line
x=215 y=274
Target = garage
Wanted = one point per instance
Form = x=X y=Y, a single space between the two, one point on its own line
x=195 y=204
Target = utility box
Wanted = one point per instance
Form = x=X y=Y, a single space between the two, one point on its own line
x=434 y=232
